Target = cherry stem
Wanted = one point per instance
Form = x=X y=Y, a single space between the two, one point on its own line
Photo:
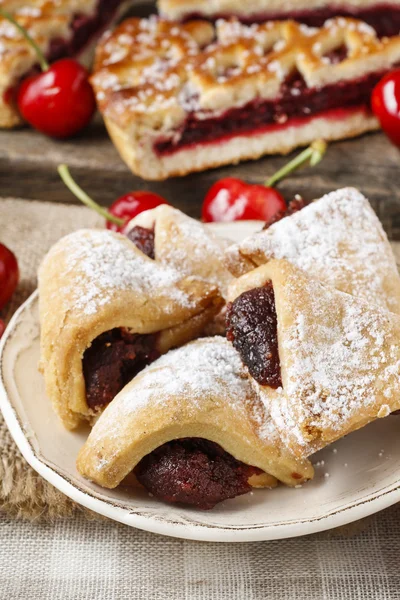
x=44 y=65
x=65 y=175
x=313 y=154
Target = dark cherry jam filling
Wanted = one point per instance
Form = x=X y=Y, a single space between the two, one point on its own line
x=143 y=239
x=113 y=359
x=295 y=102
x=251 y=323
x=384 y=17
x=194 y=471
x=294 y=206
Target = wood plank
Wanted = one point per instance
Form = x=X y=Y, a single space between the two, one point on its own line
x=28 y=164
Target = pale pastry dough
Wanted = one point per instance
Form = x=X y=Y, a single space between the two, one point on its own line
x=337 y=239
x=93 y=281
x=186 y=244
x=182 y=9
x=339 y=358
x=200 y=390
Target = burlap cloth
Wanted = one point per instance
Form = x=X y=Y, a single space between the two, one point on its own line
x=84 y=558
x=29 y=228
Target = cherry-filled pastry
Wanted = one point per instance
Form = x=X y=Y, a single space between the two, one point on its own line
x=107 y=310
x=384 y=17
x=326 y=363
x=192 y=429
x=60 y=28
x=179 y=98
x=311 y=350
x=337 y=239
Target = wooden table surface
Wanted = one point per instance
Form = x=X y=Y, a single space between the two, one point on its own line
x=28 y=164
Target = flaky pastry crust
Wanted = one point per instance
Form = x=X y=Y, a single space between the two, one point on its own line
x=94 y=281
x=200 y=390
x=339 y=358
x=186 y=244
x=337 y=239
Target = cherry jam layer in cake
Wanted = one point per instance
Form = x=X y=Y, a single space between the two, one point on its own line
x=179 y=98
x=296 y=104
x=383 y=17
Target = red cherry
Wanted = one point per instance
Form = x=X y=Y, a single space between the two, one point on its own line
x=386 y=105
x=58 y=102
x=9 y=275
x=131 y=204
x=2 y=327
x=232 y=199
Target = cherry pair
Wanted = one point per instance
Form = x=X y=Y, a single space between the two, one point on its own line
x=229 y=199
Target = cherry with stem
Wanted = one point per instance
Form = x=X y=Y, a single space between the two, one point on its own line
x=232 y=199
x=59 y=101
x=122 y=210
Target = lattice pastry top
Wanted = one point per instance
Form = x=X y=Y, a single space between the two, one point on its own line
x=154 y=73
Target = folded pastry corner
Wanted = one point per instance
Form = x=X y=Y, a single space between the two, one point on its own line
x=326 y=362
x=184 y=97
x=191 y=411
x=106 y=311
x=185 y=244
x=337 y=239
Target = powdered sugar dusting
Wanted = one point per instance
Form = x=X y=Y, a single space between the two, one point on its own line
x=100 y=262
x=340 y=357
x=187 y=245
x=169 y=70
x=195 y=250
x=208 y=367
x=339 y=240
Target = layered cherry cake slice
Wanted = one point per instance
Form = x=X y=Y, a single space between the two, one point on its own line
x=61 y=28
x=383 y=16
x=179 y=98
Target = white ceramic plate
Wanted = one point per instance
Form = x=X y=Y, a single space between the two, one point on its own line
x=359 y=476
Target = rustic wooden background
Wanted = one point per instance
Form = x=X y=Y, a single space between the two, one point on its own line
x=28 y=164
